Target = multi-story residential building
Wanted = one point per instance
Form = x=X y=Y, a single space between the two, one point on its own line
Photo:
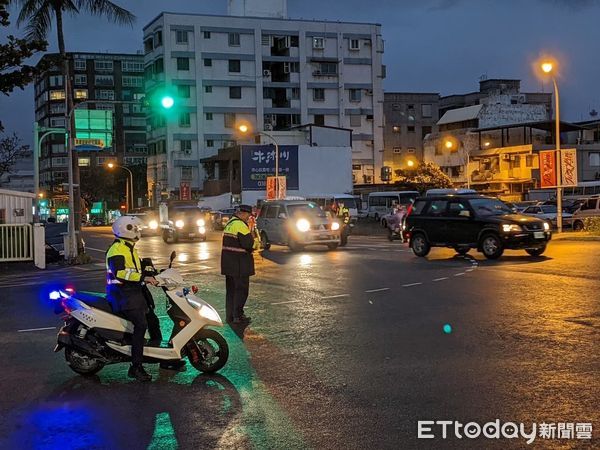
x=97 y=79
x=257 y=66
x=409 y=117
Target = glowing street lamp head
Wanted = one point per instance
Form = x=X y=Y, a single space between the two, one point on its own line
x=110 y=165
x=449 y=144
x=167 y=102
x=243 y=128
x=547 y=67
x=410 y=163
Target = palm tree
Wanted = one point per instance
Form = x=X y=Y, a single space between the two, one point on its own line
x=38 y=15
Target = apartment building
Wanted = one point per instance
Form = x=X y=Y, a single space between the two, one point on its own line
x=97 y=79
x=257 y=66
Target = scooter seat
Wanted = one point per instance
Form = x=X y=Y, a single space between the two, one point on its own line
x=95 y=300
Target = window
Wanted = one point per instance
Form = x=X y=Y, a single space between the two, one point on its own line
x=183 y=63
x=57 y=95
x=319 y=94
x=81 y=94
x=105 y=95
x=529 y=161
x=59 y=162
x=234 y=39
x=134 y=121
x=426 y=111
x=55 y=80
x=103 y=65
x=187 y=173
x=229 y=120
x=355 y=120
x=186 y=145
x=456 y=207
x=272 y=212
x=80 y=64
x=148 y=46
x=437 y=207
x=418 y=207
x=354 y=95
x=397 y=129
x=410 y=106
x=235 y=92
x=318 y=43
x=129 y=81
x=234 y=65
x=410 y=128
x=207 y=35
x=208 y=89
x=411 y=150
x=104 y=80
x=319 y=119
x=105 y=107
x=83 y=162
x=594 y=159
x=183 y=91
x=396 y=106
x=209 y=116
x=327 y=68
x=425 y=131
x=58 y=148
x=159 y=66
x=184 y=119
x=80 y=79
x=158 y=39
x=57 y=108
x=210 y=143
x=132 y=66
x=181 y=37
x=354 y=44
x=207 y=62
x=295 y=93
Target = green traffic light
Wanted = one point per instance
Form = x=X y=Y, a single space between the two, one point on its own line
x=167 y=102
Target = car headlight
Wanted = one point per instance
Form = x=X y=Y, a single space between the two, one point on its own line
x=303 y=225
x=179 y=224
x=153 y=224
x=200 y=222
x=546 y=226
x=202 y=230
x=507 y=228
x=335 y=226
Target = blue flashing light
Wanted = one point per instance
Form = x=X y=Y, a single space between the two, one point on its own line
x=186 y=291
x=54 y=295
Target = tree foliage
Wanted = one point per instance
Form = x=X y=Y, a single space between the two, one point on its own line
x=11 y=150
x=14 y=73
x=424 y=176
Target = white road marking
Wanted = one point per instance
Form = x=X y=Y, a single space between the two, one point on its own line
x=285 y=303
x=335 y=296
x=36 y=329
x=411 y=284
x=459 y=274
x=377 y=290
x=95 y=249
x=441 y=279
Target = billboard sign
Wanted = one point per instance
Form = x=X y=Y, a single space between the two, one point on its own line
x=93 y=129
x=258 y=163
x=568 y=167
x=184 y=191
x=548 y=169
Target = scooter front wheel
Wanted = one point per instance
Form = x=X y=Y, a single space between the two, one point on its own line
x=207 y=351
x=82 y=363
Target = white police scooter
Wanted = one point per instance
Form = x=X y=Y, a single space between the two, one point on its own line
x=94 y=336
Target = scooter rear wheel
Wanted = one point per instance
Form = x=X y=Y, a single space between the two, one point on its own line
x=208 y=351
x=81 y=363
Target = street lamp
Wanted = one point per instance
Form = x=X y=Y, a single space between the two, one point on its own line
x=244 y=129
x=452 y=144
x=129 y=189
x=548 y=68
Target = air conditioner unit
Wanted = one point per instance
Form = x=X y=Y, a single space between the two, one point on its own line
x=506 y=157
x=266 y=73
x=368 y=91
x=267 y=40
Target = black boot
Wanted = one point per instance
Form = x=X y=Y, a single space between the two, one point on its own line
x=179 y=365
x=137 y=371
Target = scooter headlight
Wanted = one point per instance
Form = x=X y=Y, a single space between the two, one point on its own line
x=206 y=311
x=335 y=226
x=180 y=223
x=303 y=225
x=153 y=224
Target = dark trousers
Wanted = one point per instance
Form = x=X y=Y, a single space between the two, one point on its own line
x=138 y=318
x=236 y=296
x=153 y=327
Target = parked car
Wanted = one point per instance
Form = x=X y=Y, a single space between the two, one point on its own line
x=521 y=206
x=589 y=208
x=548 y=213
x=296 y=224
x=568 y=205
x=469 y=221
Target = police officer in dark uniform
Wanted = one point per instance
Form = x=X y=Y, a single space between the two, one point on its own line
x=237 y=263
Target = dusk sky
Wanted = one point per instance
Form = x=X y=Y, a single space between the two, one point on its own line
x=440 y=46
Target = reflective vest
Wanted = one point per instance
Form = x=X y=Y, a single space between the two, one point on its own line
x=123 y=265
x=345 y=214
x=238 y=244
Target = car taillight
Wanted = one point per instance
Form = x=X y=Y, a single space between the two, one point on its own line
x=409 y=210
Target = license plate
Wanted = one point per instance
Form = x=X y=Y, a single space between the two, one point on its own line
x=323 y=237
x=192 y=235
x=538 y=235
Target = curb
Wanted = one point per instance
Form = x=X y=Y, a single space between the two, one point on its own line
x=578 y=237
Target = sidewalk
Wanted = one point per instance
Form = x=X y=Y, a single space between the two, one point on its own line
x=575 y=236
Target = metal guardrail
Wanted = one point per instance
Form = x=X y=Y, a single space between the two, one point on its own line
x=16 y=242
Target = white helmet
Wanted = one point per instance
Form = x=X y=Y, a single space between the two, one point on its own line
x=128 y=227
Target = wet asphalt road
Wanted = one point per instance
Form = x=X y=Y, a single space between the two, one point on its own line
x=346 y=350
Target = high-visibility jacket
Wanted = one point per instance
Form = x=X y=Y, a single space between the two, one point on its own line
x=344 y=213
x=238 y=244
x=124 y=275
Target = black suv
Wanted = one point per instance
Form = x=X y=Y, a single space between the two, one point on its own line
x=473 y=221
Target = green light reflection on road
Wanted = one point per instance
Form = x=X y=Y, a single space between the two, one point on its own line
x=163 y=437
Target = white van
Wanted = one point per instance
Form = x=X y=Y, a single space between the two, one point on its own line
x=381 y=203
x=326 y=200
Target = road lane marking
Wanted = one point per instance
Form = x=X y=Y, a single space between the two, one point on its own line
x=285 y=303
x=459 y=274
x=335 y=296
x=411 y=284
x=377 y=290
x=36 y=329
x=95 y=249
x=441 y=279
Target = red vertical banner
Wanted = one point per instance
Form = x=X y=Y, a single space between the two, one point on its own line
x=548 y=169
x=272 y=183
x=184 y=191
x=568 y=167
x=271 y=186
